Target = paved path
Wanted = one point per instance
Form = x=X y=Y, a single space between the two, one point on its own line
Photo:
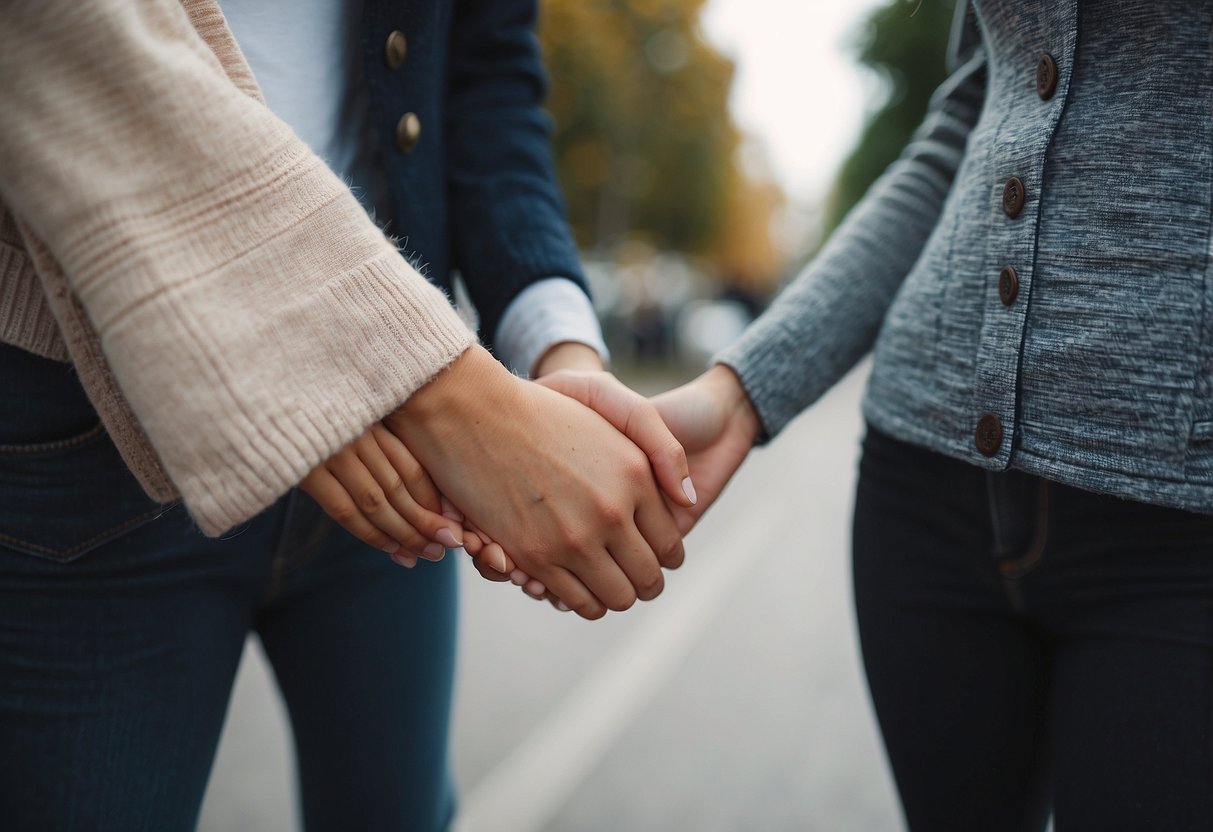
x=734 y=702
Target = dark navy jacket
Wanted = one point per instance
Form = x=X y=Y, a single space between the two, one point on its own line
x=477 y=192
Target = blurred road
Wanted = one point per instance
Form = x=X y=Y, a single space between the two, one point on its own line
x=733 y=702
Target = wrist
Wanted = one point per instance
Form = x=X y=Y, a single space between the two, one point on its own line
x=568 y=355
x=473 y=385
x=725 y=387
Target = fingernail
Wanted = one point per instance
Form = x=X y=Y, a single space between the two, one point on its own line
x=392 y=548
x=447 y=537
x=689 y=490
x=562 y=606
x=519 y=577
x=434 y=550
x=407 y=561
x=484 y=538
x=499 y=561
x=450 y=512
x=534 y=589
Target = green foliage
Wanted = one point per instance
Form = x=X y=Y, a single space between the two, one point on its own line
x=905 y=43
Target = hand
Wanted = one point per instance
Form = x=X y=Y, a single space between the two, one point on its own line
x=567 y=495
x=570 y=358
x=711 y=418
x=378 y=491
x=717 y=425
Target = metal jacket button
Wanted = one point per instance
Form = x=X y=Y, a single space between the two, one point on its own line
x=395 y=49
x=1008 y=285
x=1012 y=197
x=989 y=434
x=1046 y=76
x=408 y=131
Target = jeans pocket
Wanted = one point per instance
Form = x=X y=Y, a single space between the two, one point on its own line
x=62 y=498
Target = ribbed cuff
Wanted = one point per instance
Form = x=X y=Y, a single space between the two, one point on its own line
x=25 y=319
x=393 y=342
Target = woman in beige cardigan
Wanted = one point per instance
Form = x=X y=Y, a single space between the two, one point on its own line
x=235 y=318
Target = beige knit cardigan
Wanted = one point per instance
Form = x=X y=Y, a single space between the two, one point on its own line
x=233 y=313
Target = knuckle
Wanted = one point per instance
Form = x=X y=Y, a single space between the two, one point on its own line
x=345 y=513
x=671 y=450
x=372 y=500
x=650 y=585
x=565 y=544
x=414 y=476
x=672 y=555
x=622 y=600
x=613 y=516
x=636 y=469
x=413 y=541
x=396 y=487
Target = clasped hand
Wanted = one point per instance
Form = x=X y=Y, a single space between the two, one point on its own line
x=579 y=479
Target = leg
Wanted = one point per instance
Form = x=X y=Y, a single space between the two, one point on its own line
x=120 y=625
x=958 y=682
x=1131 y=595
x=115 y=672
x=364 y=653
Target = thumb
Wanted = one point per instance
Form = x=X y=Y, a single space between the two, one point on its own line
x=637 y=419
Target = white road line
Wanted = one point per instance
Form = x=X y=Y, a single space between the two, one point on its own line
x=526 y=790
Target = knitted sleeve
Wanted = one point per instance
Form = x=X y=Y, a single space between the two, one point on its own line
x=252 y=315
x=829 y=317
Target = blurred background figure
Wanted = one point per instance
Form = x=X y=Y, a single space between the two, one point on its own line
x=705 y=148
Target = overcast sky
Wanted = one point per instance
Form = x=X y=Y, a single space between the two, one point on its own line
x=798 y=88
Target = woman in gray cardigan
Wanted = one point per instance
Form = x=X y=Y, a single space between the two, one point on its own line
x=1033 y=545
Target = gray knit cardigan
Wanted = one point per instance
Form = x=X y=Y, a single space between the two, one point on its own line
x=1034 y=272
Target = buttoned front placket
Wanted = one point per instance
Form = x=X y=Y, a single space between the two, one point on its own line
x=1017 y=171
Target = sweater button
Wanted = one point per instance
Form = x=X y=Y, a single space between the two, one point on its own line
x=1012 y=197
x=1008 y=285
x=408 y=132
x=1046 y=76
x=395 y=49
x=989 y=434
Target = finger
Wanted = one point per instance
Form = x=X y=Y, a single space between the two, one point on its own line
x=560 y=606
x=448 y=508
x=660 y=531
x=599 y=573
x=637 y=419
x=535 y=589
x=490 y=574
x=331 y=496
x=409 y=490
x=420 y=486
x=493 y=558
x=372 y=502
x=401 y=559
x=472 y=544
x=483 y=539
x=631 y=551
x=574 y=594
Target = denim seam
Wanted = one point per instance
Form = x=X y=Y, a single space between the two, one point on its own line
x=1025 y=563
x=63 y=554
x=43 y=447
x=995 y=508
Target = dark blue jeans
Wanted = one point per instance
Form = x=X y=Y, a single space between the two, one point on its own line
x=121 y=628
x=1031 y=646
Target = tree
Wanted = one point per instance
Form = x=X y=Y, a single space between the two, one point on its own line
x=645 y=145
x=905 y=43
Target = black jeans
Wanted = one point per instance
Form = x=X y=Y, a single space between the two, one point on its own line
x=1033 y=647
